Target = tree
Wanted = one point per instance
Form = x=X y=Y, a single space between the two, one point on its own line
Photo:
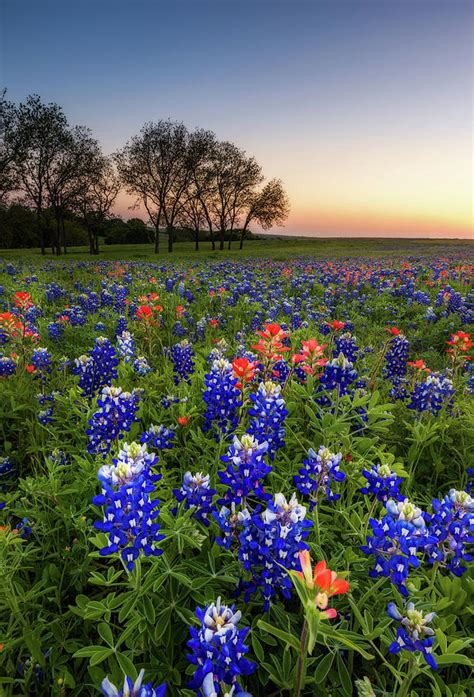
x=234 y=178
x=201 y=191
x=8 y=147
x=153 y=166
x=68 y=176
x=97 y=197
x=38 y=134
x=267 y=207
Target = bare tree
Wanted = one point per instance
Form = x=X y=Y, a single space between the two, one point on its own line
x=39 y=130
x=96 y=199
x=8 y=147
x=202 y=147
x=68 y=175
x=235 y=176
x=267 y=207
x=153 y=166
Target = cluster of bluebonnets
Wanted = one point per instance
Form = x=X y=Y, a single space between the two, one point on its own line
x=235 y=345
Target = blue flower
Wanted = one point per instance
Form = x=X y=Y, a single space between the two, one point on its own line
x=7 y=366
x=320 y=470
x=98 y=369
x=141 y=366
x=268 y=414
x=130 y=512
x=126 y=346
x=218 y=649
x=396 y=359
x=222 y=398
x=413 y=634
x=133 y=689
x=158 y=437
x=452 y=526
x=116 y=414
x=432 y=394
x=197 y=494
x=183 y=364
x=245 y=469
x=397 y=541
x=346 y=344
x=383 y=483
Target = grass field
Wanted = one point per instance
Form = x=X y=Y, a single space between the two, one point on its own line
x=274 y=248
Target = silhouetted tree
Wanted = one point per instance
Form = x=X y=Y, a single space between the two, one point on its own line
x=267 y=207
x=153 y=166
x=8 y=147
x=96 y=199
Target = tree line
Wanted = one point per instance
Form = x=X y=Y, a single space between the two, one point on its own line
x=184 y=180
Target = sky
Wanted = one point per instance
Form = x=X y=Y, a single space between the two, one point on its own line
x=364 y=108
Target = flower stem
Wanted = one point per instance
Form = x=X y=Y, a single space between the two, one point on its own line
x=301 y=668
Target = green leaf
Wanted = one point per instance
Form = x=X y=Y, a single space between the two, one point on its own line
x=257 y=648
x=106 y=633
x=126 y=665
x=323 y=668
x=449 y=658
x=344 y=677
x=284 y=636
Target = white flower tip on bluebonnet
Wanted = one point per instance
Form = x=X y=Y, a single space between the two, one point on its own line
x=208 y=687
x=108 y=689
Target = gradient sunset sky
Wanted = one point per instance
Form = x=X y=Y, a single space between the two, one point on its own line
x=363 y=108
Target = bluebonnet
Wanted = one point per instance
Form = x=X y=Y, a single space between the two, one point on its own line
x=229 y=521
x=41 y=360
x=99 y=327
x=141 y=366
x=268 y=413
x=178 y=329
x=413 y=634
x=55 y=331
x=269 y=546
x=319 y=472
x=121 y=326
x=430 y=315
x=396 y=358
x=7 y=366
x=432 y=394
x=245 y=469
x=183 y=364
x=126 y=346
x=116 y=413
x=218 y=649
x=133 y=689
x=383 y=483
x=222 y=398
x=59 y=457
x=197 y=494
x=158 y=437
x=130 y=512
x=338 y=374
x=396 y=542
x=98 y=369
x=45 y=416
x=452 y=526
x=347 y=345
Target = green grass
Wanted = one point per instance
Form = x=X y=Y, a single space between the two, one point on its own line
x=274 y=248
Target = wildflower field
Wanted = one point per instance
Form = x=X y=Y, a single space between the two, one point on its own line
x=236 y=477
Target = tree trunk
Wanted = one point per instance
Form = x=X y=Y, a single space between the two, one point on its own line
x=196 y=240
x=157 y=237
x=57 y=240
x=221 y=238
x=213 y=242
x=63 y=234
x=170 y=238
x=96 y=243
x=242 y=235
x=40 y=230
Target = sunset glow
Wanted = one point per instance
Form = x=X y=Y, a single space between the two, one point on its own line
x=363 y=109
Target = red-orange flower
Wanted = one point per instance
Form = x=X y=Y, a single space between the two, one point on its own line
x=419 y=365
x=270 y=345
x=460 y=343
x=335 y=325
x=393 y=331
x=183 y=420
x=22 y=300
x=243 y=370
x=322 y=584
x=311 y=356
x=144 y=312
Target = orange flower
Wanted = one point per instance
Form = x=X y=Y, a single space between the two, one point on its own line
x=180 y=311
x=322 y=583
x=270 y=345
x=243 y=370
x=419 y=365
x=22 y=300
x=335 y=325
x=183 y=420
x=311 y=356
x=393 y=331
x=144 y=312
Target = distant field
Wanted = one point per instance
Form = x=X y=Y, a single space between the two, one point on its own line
x=271 y=248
